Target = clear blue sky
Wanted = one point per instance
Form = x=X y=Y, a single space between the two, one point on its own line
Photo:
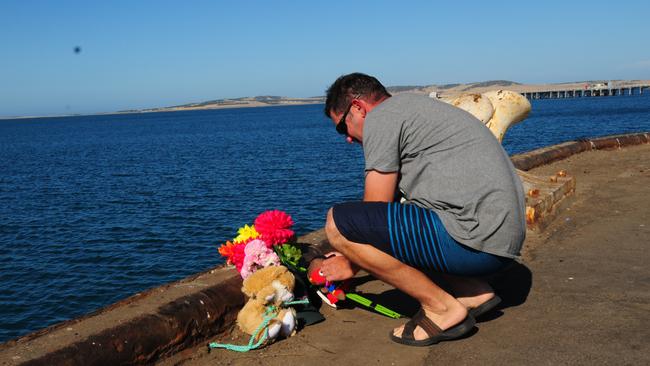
x=139 y=54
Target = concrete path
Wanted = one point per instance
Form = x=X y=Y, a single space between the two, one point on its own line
x=580 y=296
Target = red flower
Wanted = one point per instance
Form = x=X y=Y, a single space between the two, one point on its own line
x=226 y=250
x=274 y=227
x=238 y=256
x=234 y=253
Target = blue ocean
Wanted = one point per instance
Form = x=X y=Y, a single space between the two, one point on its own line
x=96 y=208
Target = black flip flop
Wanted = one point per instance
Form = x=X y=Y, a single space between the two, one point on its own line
x=433 y=331
x=485 y=307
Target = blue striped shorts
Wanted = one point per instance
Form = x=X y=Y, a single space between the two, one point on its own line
x=413 y=235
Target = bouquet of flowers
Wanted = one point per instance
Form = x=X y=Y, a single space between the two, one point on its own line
x=271 y=242
x=268 y=242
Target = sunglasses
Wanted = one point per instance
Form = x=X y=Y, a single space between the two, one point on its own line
x=342 y=127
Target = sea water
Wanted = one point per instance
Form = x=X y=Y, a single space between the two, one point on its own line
x=96 y=208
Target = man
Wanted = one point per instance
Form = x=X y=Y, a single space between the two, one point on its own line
x=440 y=195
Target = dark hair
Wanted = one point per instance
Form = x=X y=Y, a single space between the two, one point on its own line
x=347 y=87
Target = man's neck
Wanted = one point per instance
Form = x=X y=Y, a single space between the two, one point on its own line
x=372 y=105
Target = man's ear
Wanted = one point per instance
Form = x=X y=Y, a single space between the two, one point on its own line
x=361 y=105
x=330 y=115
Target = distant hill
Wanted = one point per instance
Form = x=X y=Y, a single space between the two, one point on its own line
x=274 y=100
x=257 y=101
x=485 y=84
x=465 y=87
x=448 y=86
x=265 y=99
x=403 y=88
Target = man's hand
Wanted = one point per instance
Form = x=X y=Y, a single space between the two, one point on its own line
x=380 y=187
x=338 y=268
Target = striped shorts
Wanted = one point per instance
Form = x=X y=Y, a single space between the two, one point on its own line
x=413 y=235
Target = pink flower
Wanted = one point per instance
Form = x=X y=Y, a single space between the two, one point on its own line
x=274 y=227
x=257 y=255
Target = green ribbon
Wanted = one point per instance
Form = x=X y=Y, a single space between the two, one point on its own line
x=376 y=307
x=270 y=313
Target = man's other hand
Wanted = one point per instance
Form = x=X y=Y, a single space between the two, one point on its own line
x=338 y=268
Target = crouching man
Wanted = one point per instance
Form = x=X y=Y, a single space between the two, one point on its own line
x=440 y=195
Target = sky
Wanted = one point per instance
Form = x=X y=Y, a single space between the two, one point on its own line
x=144 y=54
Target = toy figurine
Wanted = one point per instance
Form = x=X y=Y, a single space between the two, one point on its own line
x=330 y=292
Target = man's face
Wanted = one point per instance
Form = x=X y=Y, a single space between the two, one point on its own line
x=353 y=120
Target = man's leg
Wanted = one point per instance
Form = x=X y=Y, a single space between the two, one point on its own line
x=442 y=308
x=470 y=291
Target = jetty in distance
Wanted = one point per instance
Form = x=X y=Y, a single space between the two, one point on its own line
x=599 y=88
x=605 y=89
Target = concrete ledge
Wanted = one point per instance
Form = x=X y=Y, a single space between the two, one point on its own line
x=547 y=155
x=140 y=329
x=162 y=321
x=546 y=197
x=143 y=328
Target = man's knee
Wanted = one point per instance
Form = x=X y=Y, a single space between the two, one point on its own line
x=330 y=225
x=333 y=235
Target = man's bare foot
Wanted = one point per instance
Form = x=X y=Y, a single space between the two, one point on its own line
x=469 y=291
x=444 y=320
x=475 y=301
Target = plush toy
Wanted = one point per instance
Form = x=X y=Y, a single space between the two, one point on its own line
x=329 y=292
x=267 y=289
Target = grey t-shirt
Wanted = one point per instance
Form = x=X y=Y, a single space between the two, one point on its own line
x=448 y=161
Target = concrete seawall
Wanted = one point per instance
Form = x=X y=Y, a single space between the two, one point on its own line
x=547 y=155
x=166 y=320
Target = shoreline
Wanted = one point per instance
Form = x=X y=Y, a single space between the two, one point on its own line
x=158 y=111
x=447 y=90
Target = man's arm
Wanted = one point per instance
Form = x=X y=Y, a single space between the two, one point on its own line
x=380 y=187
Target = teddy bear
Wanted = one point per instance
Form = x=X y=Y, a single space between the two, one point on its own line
x=269 y=286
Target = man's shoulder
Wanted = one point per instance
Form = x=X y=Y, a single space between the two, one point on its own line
x=398 y=105
x=406 y=103
x=408 y=98
x=417 y=107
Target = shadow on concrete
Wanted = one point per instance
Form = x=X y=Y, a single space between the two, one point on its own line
x=393 y=299
x=512 y=284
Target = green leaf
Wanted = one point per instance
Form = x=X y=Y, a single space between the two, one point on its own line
x=289 y=253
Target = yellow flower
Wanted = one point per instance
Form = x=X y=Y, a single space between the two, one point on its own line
x=245 y=233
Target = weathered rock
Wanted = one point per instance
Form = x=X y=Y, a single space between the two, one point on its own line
x=476 y=104
x=498 y=109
